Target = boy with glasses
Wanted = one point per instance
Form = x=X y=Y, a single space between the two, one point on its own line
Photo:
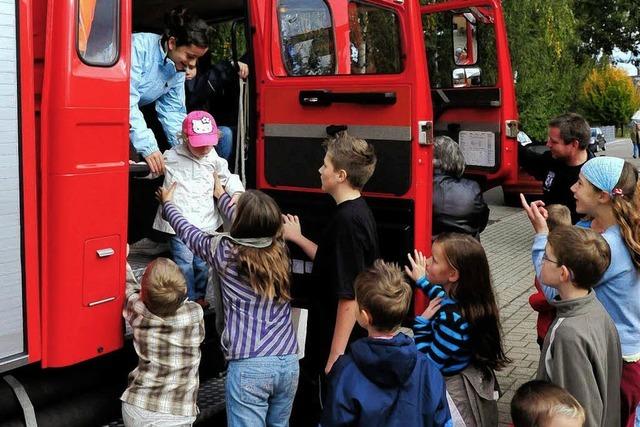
x=581 y=351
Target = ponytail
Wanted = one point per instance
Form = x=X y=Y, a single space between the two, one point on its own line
x=187 y=29
x=626 y=208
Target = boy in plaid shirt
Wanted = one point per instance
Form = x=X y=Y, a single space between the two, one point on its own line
x=167 y=332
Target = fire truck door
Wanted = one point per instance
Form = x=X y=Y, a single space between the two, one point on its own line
x=85 y=123
x=334 y=65
x=472 y=88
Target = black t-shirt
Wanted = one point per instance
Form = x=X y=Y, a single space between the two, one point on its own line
x=556 y=176
x=348 y=245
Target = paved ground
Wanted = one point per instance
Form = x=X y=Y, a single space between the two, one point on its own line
x=508 y=244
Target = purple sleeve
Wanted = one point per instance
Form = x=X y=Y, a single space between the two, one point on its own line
x=196 y=240
x=225 y=206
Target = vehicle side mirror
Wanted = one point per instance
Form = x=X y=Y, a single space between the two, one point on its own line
x=466 y=77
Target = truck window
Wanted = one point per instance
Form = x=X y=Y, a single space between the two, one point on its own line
x=306 y=37
x=374 y=40
x=97 y=34
x=461 y=48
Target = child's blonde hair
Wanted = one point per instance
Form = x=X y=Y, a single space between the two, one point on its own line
x=537 y=402
x=558 y=215
x=383 y=291
x=163 y=287
x=353 y=155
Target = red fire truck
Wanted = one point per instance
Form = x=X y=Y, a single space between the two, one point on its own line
x=394 y=72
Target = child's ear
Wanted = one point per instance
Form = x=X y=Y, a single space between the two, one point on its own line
x=565 y=274
x=342 y=175
x=454 y=276
x=366 y=316
x=604 y=197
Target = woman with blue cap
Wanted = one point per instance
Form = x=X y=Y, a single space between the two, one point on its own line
x=608 y=191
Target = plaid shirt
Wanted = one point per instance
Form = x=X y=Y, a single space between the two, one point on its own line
x=166 y=378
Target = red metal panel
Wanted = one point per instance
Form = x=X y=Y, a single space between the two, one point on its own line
x=29 y=181
x=278 y=98
x=84 y=155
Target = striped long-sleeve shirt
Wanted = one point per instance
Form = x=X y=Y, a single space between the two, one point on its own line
x=255 y=326
x=445 y=337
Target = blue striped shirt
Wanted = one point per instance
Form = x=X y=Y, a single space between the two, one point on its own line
x=255 y=326
x=445 y=337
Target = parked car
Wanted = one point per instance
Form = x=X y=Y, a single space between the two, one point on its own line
x=597 y=140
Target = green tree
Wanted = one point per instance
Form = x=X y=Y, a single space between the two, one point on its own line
x=545 y=54
x=604 y=25
x=608 y=97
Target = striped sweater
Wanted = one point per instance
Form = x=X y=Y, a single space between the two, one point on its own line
x=255 y=326
x=445 y=337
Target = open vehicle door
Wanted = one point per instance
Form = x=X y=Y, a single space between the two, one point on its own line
x=472 y=87
x=84 y=164
x=329 y=65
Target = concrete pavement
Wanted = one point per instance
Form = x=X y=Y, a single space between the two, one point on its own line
x=507 y=242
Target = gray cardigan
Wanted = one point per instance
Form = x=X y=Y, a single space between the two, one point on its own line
x=582 y=353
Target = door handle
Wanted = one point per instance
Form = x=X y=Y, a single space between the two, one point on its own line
x=106 y=252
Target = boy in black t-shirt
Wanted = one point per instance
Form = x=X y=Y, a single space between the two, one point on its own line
x=349 y=244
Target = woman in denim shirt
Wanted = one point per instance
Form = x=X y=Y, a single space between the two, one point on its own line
x=158 y=65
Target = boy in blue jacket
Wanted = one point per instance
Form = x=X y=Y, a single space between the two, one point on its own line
x=384 y=380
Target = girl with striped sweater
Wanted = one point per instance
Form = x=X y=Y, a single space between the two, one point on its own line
x=258 y=338
x=460 y=328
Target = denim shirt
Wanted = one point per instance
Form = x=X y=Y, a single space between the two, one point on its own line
x=154 y=78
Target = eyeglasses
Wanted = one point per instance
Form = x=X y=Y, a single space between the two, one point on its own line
x=546 y=258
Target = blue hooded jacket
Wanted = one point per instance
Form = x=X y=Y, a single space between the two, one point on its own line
x=385 y=383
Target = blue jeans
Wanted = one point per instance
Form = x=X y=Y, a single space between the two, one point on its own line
x=636 y=149
x=225 y=143
x=195 y=269
x=260 y=390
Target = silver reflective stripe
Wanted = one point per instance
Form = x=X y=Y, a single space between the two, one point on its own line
x=547 y=356
x=23 y=399
x=387 y=133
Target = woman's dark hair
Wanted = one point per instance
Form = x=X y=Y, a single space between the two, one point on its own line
x=186 y=28
x=267 y=269
x=475 y=297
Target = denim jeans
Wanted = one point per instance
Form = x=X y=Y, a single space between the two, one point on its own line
x=636 y=149
x=195 y=269
x=225 y=143
x=132 y=416
x=260 y=390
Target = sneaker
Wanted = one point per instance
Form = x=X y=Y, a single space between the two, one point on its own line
x=147 y=246
x=203 y=303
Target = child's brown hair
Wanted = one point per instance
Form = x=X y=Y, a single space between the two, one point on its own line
x=267 y=269
x=383 y=291
x=163 y=287
x=355 y=156
x=558 y=215
x=536 y=403
x=583 y=251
